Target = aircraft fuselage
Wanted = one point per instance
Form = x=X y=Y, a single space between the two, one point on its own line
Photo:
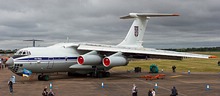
x=45 y=59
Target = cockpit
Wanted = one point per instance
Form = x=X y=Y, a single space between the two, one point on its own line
x=21 y=53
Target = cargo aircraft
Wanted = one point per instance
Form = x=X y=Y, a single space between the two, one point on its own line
x=93 y=59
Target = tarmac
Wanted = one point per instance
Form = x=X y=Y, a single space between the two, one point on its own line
x=119 y=84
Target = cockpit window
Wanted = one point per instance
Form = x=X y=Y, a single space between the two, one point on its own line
x=23 y=52
x=20 y=52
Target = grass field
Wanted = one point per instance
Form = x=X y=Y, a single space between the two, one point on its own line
x=192 y=64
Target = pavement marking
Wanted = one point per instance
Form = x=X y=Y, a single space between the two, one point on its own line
x=176 y=76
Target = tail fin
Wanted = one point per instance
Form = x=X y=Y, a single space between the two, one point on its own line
x=136 y=32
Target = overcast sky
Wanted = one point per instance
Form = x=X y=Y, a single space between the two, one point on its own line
x=97 y=21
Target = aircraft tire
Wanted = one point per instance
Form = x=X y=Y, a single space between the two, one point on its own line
x=90 y=74
x=46 y=77
x=100 y=75
x=40 y=77
x=69 y=74
x=107 y=74
x=93 y=74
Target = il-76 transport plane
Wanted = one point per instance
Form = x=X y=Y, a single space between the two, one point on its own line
x=94 y=59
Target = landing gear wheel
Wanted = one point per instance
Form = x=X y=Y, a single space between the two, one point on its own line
x=99 y=75
x=43 y=77
x=69 y=74
x=107 y=74
x=40 y=77
x=46 y=77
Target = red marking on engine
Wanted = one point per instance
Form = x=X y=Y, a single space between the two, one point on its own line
x=80 y=60
x=106 y=62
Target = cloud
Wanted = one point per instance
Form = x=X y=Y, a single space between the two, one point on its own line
x=97 y=21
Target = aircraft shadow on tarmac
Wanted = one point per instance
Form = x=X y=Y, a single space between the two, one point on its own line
x=63 y=76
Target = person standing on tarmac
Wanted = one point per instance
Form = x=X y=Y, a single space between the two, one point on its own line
x=10 y=85
x=153 y=92
x=45 y=93
x=134 y=90
x=174 y=68
x=150 y=93
x=174 y=91
x=51 y=93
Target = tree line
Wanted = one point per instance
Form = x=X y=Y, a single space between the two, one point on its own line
x=202 y=49
x=7 y=51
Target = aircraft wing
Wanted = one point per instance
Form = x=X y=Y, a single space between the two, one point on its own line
x=150 y=53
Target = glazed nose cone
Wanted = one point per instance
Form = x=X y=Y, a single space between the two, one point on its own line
x=10 y=61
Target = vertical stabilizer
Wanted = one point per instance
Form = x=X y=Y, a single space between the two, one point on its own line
x=136 y=32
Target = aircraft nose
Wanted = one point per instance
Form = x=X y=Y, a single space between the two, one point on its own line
x=10 y=61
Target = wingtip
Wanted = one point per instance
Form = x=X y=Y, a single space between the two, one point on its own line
x=212 y=56
x=176 y=14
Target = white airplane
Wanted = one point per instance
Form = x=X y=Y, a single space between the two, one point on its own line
x=94 y=59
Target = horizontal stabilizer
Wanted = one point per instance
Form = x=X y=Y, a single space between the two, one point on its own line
x=135 y=15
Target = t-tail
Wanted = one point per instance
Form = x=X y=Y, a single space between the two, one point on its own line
x=135 y=34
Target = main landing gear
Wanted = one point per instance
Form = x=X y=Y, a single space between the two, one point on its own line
x=101 y=74
x=43 y=77
x=96 y=74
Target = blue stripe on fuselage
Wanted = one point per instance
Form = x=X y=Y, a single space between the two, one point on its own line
x=49 y=58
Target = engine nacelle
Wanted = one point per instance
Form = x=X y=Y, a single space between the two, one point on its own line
x=91 y=58
x=115 y=60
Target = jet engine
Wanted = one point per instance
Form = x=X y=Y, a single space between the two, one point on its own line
x=91 y=58
x=116 y=59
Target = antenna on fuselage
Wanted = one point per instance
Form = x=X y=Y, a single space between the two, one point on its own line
x=33 y=40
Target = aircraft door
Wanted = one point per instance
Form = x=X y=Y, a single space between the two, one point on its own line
x=50 y=62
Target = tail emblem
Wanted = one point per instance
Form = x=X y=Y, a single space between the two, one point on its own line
x=136 y=31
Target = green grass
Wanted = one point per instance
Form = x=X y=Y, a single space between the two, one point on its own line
x=192 y=64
